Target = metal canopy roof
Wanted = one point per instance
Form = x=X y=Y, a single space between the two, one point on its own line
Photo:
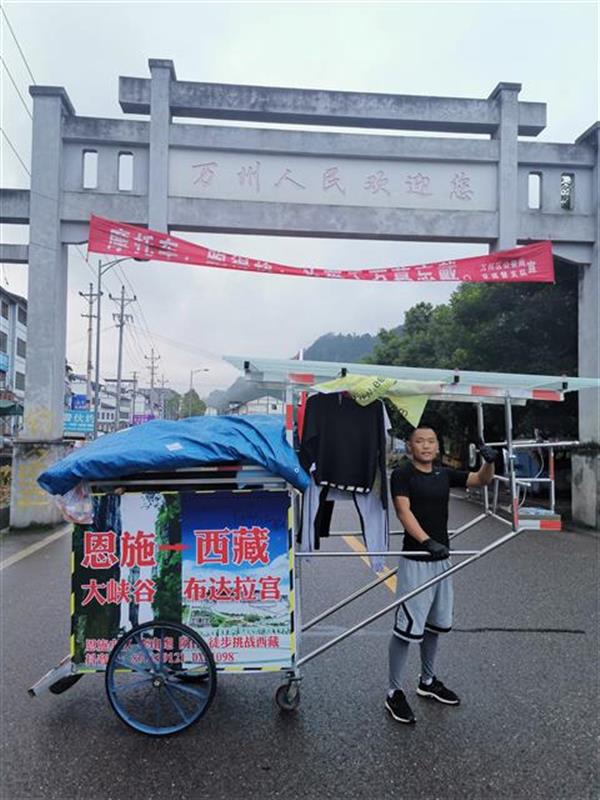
x=458 y=385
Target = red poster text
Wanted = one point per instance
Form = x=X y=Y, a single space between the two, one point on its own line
x=243 y=544
x=236 y=589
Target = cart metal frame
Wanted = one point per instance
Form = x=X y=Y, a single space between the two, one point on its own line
x=292 y=376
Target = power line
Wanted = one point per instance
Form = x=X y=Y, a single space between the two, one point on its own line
x=132 y=356
x=85 y=260
x=139 y=306
x=135 y=338
x=136 y=346
x=80 y=339
x=137 y=311
x=186 y=346
x=14 y=149
x=18 y=45
x=135 y=356
x=11 y=145
x=25 y=106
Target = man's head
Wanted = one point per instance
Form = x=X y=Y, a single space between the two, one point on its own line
x=423 y=445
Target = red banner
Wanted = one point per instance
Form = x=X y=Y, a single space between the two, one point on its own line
x=522 y=264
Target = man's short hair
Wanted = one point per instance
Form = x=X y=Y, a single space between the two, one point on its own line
x=420 y=428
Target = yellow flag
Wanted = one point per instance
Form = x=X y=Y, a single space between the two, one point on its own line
x=409 y=397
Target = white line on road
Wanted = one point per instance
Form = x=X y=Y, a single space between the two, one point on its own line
x=8 y=562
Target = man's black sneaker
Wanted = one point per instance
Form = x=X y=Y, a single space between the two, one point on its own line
x=438 y=692
x=398 y=707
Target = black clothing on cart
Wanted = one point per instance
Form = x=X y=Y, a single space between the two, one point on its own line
x=429 y=494
x=346 y=442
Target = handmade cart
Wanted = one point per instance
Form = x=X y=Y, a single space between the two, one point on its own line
x=191 y=573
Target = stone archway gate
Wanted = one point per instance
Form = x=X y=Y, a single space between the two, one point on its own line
x=236 y=179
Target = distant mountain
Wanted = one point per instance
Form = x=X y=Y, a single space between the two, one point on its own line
x=342 y=346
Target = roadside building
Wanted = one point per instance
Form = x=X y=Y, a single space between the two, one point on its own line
x=261 y=405
x=13 y=355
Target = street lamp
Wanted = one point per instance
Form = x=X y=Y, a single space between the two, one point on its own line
x=102 y=268
x=192 y=373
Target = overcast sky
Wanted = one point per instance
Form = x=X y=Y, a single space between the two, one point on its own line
x=193 y=315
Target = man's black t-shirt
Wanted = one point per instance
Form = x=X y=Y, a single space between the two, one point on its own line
x=429 y=493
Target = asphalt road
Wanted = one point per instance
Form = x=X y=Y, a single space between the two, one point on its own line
x=523 y=656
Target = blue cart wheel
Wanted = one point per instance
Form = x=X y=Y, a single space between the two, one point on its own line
x=161 y=678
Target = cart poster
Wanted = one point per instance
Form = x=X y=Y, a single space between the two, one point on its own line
x=220 y=562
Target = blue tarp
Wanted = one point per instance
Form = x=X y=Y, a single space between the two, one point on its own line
x=169 y=445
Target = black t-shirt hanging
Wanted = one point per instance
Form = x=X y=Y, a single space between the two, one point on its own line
x=428 y=493
x=345 y=440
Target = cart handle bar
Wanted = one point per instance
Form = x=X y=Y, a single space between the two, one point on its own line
x=533 y=445
x=404 y=598
x=347 y=600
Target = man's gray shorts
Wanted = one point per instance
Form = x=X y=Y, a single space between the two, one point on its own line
x=431 y=609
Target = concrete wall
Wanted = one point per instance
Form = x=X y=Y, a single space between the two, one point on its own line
x=585 y=503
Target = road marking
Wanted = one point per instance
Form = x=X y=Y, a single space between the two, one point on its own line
x=8 y=562
x=356 y=545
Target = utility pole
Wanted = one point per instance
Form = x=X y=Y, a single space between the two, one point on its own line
x=102 y=269
x=90 y=297
x=153 y=362
x=121 y=319
x=97 y=380
x=163 y=381
x=134 y=392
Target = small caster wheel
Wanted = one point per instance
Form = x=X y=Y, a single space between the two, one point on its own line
x=63 y=684
x=287 y=696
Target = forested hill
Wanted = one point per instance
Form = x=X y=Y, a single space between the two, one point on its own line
x=349 y=347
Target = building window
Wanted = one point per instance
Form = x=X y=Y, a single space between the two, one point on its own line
x=20 y=381
x=567 y=191
x=4 y=308
x=125 y=172
x=21 y=348
x=534 y=199
x=22 y=315
x=3 y=342
x=90 y=169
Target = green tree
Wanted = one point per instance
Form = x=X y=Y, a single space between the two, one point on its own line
x=172 y=406
x=525 y=328
x=387 y=349
x=192 y=405
x=167 y=600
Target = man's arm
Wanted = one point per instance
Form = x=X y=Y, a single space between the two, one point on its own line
x=437 y=550
x=408 y=519
x=485 y=474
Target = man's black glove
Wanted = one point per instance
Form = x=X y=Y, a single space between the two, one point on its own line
x=488 y=453
x=438 y=550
